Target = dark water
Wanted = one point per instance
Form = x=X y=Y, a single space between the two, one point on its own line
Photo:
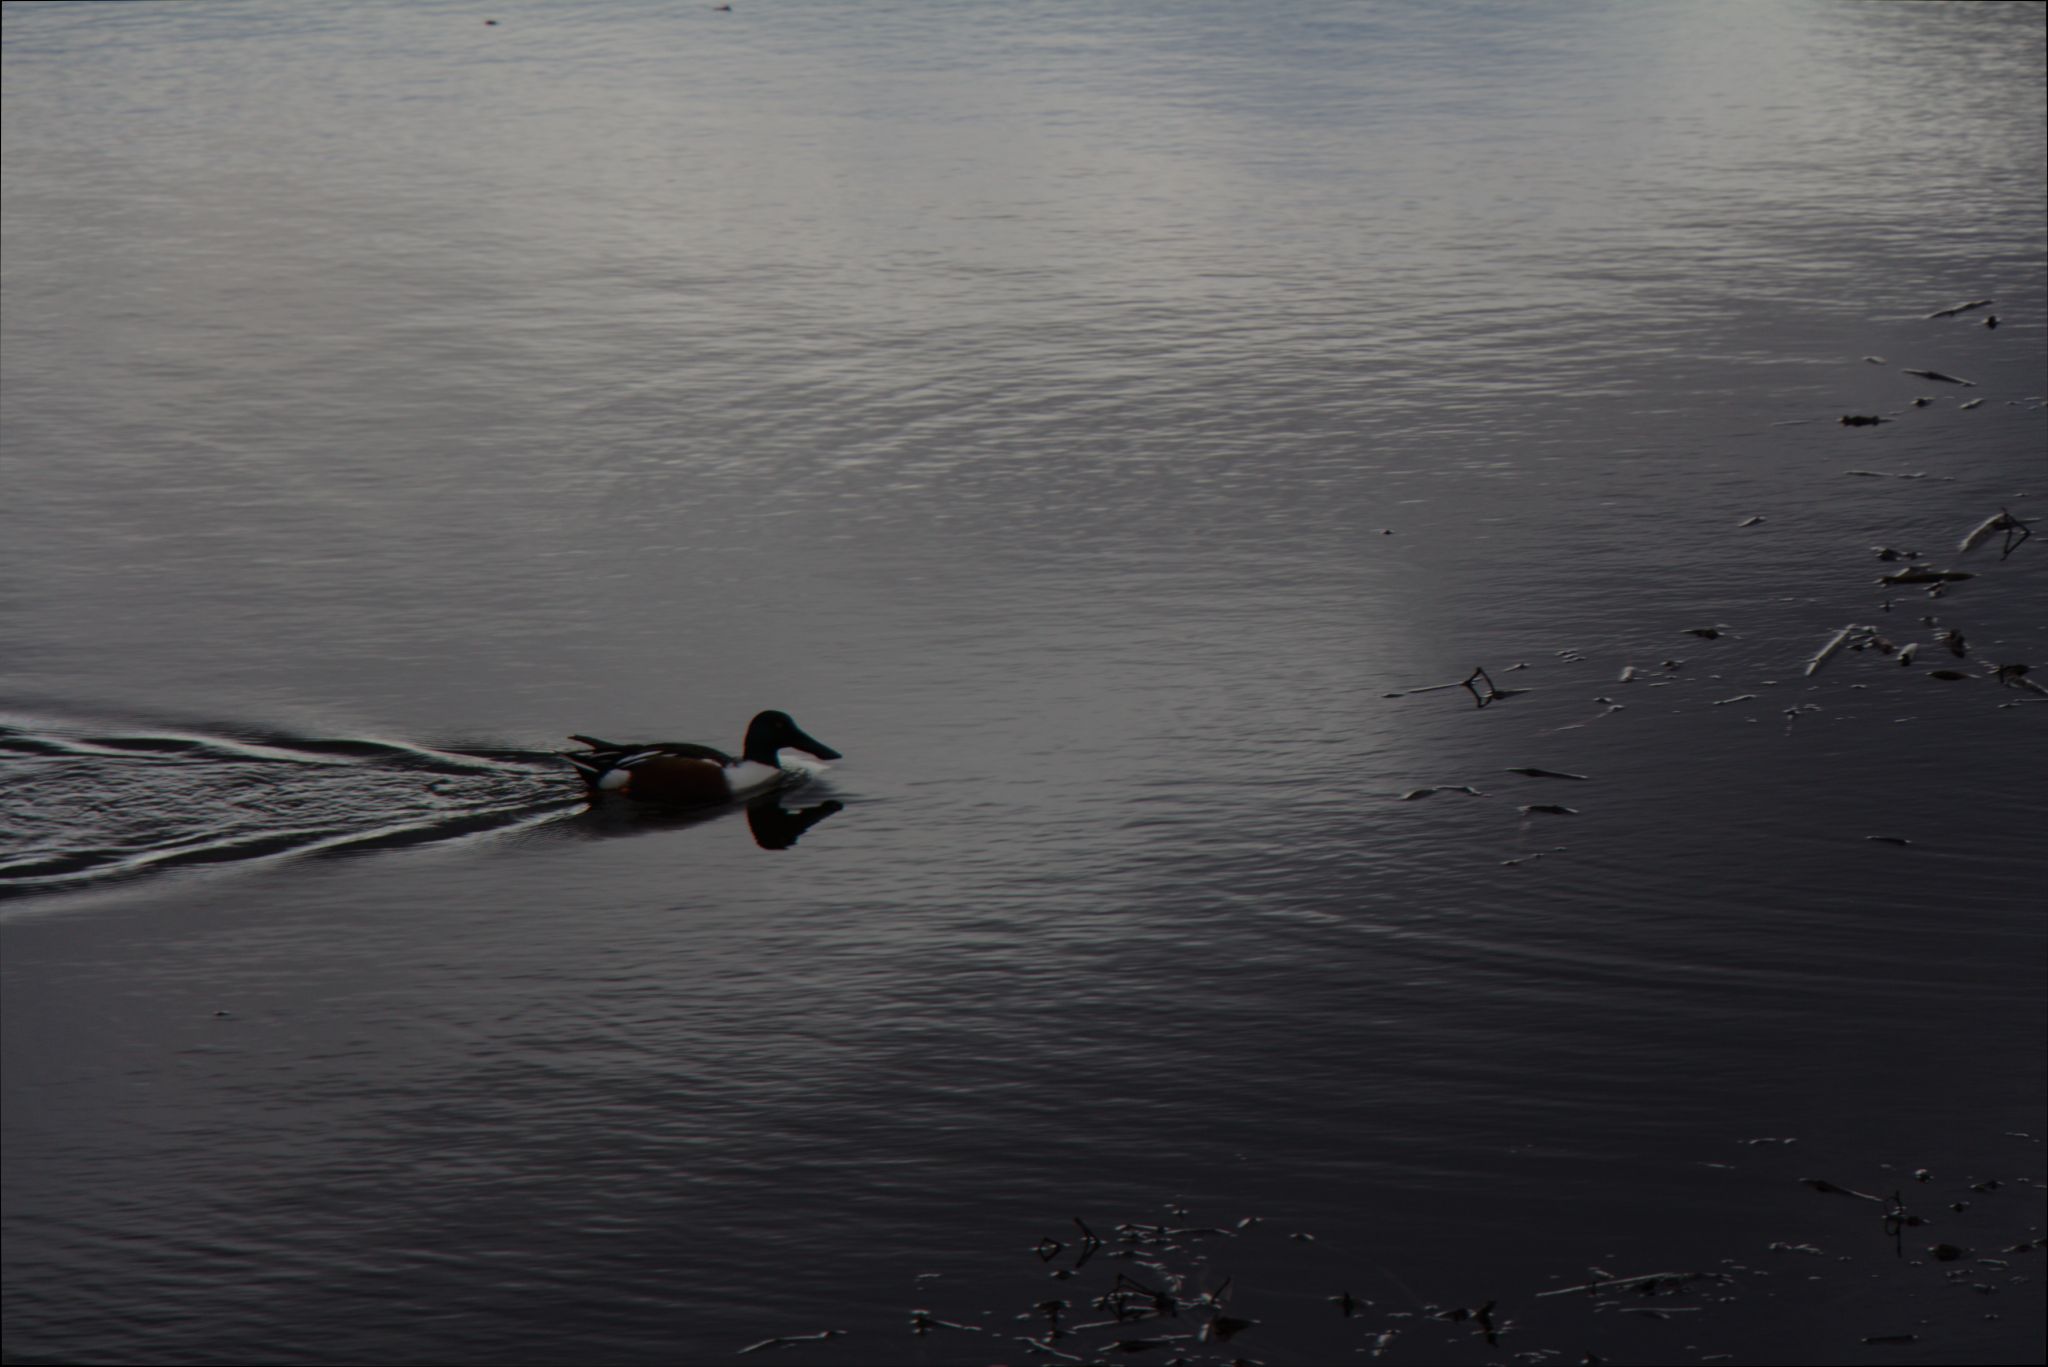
x=1092 y=420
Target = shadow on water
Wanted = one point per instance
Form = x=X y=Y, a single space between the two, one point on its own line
x=87 y=806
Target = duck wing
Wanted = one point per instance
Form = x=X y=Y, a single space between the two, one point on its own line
x=607 y=755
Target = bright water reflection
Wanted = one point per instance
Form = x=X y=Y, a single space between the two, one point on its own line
x=1094 y=419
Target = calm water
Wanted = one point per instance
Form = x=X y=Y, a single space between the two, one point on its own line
x=1093 y=420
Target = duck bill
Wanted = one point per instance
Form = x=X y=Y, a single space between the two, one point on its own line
x=815 y=748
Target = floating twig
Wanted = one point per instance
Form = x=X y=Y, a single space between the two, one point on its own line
x=2015 y=676
x=1835 y=645
x=1648 y=1283
x=1493 y=692
x=1925 y=574
x=1954 y=309
x=1821 y=1184
x=1937 y=375
x=2015 y=531
x=791 y=1340
x=922 y=1322
x=1090 y=1244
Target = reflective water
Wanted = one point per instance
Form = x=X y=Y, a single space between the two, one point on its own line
x=1093 y=421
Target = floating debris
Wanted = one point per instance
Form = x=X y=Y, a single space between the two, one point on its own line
x=1090 y=1244
x=1876 y=360
x=1223 y=1328
x=1483 y=1317
x=1972 y=403
x=1862 y=420
x=791 y=1340
x=1416 y=794
x=1923 y=402
x=1937 y=375
x=922 y=1322
x=1545 y=773
x=1950 y=675
x=1648 y=1284
x=1493 y=692
x=1712 y=633
x=1739 y=697
x=1551 y=808
x=1923 y=574
x=1821 y=1184
x=1887 y=839
x=1749 y=522
x=1834 y=647
x=2015 y=531
x=1954 y=309
x=2015 y=676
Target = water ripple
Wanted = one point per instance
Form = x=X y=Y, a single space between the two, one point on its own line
x=85 y=807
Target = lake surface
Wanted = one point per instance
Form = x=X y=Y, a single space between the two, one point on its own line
x=1098 y=422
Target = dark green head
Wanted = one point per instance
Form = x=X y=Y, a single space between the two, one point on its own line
x=772 y=732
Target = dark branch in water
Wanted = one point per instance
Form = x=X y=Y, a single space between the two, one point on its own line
x=2015 y=531
x=1493 y=693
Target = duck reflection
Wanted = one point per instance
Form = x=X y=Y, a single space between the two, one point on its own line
x=773 y=825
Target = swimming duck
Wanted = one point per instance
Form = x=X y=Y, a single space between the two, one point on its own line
x=681 y=773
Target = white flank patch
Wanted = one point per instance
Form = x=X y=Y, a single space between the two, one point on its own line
x=747 y=778
x=614 y=779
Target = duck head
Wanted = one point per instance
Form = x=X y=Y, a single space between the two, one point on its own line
x=771 y=732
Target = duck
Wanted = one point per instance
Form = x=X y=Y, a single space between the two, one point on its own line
x=684 y=774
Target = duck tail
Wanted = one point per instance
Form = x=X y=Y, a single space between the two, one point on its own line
x=591 y=764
